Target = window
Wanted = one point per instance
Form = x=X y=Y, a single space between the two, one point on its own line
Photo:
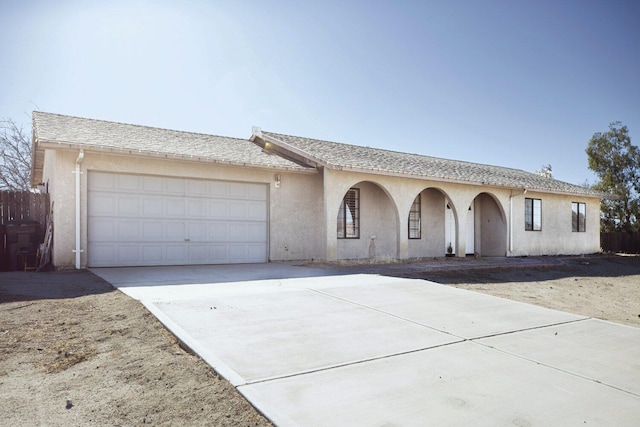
x=578 y=214
x=414 y=219
x=533 y=214
x=349 y=215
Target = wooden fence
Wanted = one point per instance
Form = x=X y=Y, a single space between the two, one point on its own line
x=620 y=242
x=21 y=206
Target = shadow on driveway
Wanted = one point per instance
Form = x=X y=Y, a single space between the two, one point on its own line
x=29 y=286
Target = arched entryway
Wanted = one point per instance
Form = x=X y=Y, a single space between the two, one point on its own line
x=367 y=223
x=490 y=226
x=428 y=206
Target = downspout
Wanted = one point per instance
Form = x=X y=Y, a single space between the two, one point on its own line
x=77 y=172
x=511 y=223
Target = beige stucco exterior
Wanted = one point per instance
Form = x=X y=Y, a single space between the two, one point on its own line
x=303 y=210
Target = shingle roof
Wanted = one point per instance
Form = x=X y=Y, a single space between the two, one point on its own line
x=104 y=135
x=345 y=156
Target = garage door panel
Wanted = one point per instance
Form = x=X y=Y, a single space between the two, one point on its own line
x=129 y=230
x=197 y=208
x=102 y=181
x=257 y=211
x=153 y=184
x=129 y=183
x=218 y=209
x=237 y=252
x=149 y=220
x=176 y=254
x=238 y=210
x=257 y=192
x=198 y=231
x=217 y=232
x=256 y=231
x=103 y=229
x=128 y=254
x=238 y=232
x=103 y=254
x=237 y=190
x=176 y=208
x=153 y=230
x=129 y=205
x=256 y=252
x=197 y=187
x=175 y=186
x=153 y=206
x=103 y=204
x=218 y=254
x=175 y=231
x=152 y=254
x=198 y=254
x=217 y=188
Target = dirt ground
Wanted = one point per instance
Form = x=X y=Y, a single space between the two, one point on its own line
x=74 y=351
x=90 y=355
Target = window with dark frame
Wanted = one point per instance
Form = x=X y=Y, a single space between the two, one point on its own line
x=349 y=215
x=532 y=214
x=578 y=216
x=415 y=231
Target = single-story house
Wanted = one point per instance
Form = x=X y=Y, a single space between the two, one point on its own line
x=129 y=195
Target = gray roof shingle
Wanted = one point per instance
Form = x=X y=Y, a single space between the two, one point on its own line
x=100 y=134
x=338 y=155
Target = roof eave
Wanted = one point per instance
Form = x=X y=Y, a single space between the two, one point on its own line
x=101 y=149
x=463 y=182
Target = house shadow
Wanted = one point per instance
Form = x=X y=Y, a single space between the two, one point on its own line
x=29 y=286
x=592 y=266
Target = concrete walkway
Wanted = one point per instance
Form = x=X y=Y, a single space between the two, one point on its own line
x=373 y=350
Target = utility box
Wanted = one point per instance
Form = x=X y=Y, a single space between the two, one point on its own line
x=23 y=240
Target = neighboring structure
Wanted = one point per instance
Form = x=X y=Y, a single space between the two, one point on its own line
x=134 y=195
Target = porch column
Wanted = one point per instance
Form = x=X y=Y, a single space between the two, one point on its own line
x=330 y=220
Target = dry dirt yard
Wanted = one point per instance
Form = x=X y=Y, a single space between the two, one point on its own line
x=73 y=351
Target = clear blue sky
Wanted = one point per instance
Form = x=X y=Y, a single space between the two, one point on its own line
x=513 y=83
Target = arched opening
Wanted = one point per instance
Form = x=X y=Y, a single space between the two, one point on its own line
x=367 y=223
x=434 y=224
x=490 y=226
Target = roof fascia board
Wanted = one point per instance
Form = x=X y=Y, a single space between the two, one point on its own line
x=99 y=149
x=291 y=148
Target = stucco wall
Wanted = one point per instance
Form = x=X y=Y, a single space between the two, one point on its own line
x=293 y=233
x=556 y=237
x=303 y=219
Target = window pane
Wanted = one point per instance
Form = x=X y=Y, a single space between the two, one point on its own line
x=341 y=221
x=528 y=214
x=349 y=215
x=574 y=217
x=537 y=214
x=414 y=219
x=582 y=215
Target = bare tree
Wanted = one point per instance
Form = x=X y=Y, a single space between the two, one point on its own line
x=15 y=157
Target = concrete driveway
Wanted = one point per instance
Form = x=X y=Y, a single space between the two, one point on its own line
x=311 y=349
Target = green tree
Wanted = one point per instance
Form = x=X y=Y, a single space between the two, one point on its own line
x=15 y=157
x=617 y=164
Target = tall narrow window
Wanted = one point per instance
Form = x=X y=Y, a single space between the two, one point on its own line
x=349 y=215
x=414 y=219
x=578 y=216
x=533 y=214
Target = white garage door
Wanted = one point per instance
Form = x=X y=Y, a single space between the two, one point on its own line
x=148 y=220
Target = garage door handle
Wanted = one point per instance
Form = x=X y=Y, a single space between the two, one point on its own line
x=187 y=240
